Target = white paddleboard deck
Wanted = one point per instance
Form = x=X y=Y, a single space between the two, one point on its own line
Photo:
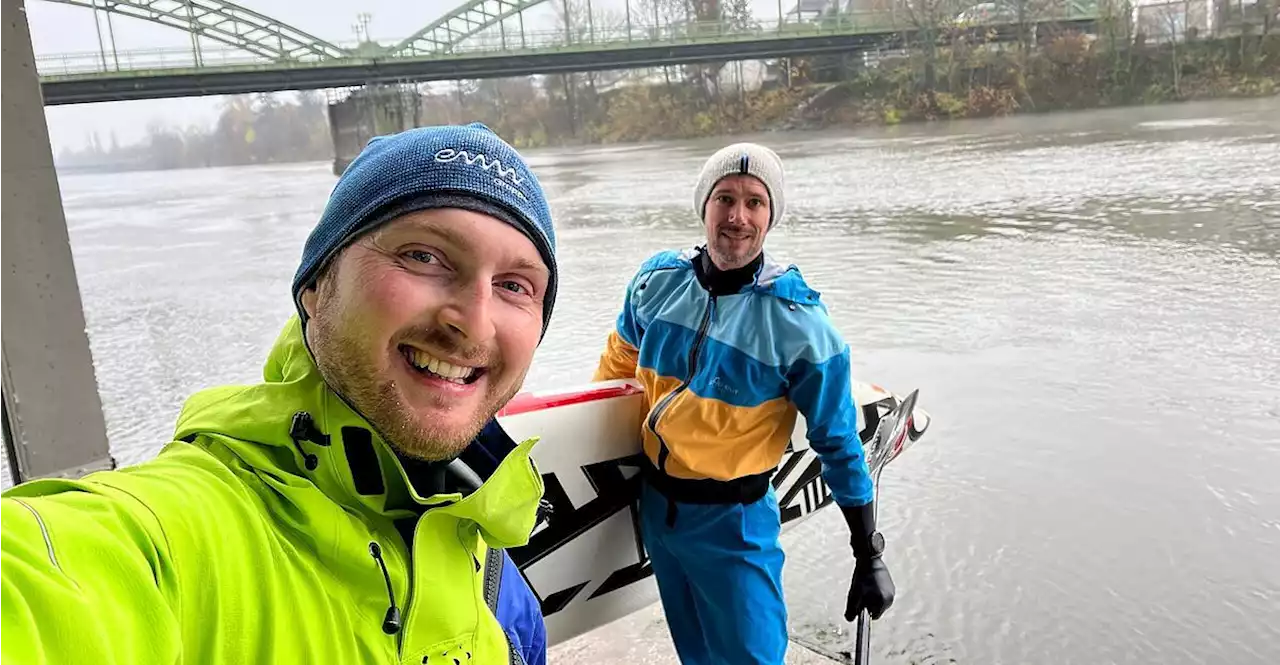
x=586 y=563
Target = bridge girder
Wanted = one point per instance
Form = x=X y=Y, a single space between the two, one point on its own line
x=1083 y=7
x=459 y=24
x=224 y=22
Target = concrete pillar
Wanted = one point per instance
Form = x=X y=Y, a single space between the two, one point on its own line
x=53 y=424
x=373 y=110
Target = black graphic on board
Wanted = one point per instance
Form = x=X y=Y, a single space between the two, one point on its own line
x=809 y=484
x=788 y=511
x=615 y=492
x=556 y=601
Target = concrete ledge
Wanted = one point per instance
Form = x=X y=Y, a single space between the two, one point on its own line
x=643 y=638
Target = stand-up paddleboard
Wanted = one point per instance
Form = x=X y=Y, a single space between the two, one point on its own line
x=586 y=562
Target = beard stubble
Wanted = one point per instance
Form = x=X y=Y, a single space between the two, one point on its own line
x=337 y=349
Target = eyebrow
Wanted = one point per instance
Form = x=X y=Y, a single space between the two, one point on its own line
x=453 y=237
x=750 y=192
x=521 y=263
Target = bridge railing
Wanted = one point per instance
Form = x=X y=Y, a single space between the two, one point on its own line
x=143 y=59
x=622 y=35
x=495 y=41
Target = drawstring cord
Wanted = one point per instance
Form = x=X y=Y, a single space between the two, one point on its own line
x=303 y=428
x=390 y=624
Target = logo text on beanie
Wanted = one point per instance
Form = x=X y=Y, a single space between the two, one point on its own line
x=485 y=162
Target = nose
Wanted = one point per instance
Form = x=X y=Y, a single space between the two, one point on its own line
x=468 y=312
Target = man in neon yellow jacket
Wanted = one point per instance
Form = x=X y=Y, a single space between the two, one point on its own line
x=314 y=517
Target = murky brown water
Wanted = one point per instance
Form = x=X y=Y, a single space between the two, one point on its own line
x=1088 y=303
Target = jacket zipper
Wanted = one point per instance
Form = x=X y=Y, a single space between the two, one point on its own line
x=492 y=579
x=492 y=570
x=663 y=450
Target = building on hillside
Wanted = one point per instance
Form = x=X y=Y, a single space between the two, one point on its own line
x=1172 y=20
x=805 y=11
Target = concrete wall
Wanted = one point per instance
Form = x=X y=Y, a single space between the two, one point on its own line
x=53 y=424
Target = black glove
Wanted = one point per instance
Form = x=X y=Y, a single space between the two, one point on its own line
x=872 y=587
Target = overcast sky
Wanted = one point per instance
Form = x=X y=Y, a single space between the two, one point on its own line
x=61 y=29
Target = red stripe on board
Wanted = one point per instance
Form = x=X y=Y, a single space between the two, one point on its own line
x=526 y=402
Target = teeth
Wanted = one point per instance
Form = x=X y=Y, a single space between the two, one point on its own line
x=457 y=374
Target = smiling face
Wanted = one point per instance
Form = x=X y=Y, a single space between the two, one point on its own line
x=737 y=219
x=428 y=325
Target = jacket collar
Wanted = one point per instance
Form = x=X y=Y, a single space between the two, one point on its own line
x=773 y=278
x=352 y=466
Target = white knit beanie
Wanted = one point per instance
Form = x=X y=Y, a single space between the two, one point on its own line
x=742 y=158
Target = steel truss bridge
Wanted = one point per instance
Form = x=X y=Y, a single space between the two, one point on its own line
x=478 y=39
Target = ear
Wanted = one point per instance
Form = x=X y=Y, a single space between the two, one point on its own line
x=308 y=300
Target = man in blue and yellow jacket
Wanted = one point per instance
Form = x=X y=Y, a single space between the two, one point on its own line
x=729 y=346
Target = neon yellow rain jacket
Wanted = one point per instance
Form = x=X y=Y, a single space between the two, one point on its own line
x=228 y=548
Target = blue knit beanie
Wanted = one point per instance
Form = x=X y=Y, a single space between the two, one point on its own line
x=451 y=166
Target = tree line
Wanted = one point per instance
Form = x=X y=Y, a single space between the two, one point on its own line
x=250 y=129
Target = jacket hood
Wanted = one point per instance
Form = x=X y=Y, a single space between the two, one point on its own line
x=270 y=426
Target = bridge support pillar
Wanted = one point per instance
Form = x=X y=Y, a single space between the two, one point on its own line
x=373 y=110
x=53 y=423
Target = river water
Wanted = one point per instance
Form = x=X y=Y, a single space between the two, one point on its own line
x=1088 y=302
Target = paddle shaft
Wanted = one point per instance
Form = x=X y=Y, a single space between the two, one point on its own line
x=862 y=645
x=862 y=641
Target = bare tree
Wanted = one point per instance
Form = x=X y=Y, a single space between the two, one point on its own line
x=1028 y=14
x=662 y=20
x=585 y=21
x=1171 y=19
x=927 y=17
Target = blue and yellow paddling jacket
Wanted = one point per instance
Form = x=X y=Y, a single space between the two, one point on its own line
x=724 y=376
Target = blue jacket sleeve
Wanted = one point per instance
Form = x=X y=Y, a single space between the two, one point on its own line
x=520 y=614
x=823 y=393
